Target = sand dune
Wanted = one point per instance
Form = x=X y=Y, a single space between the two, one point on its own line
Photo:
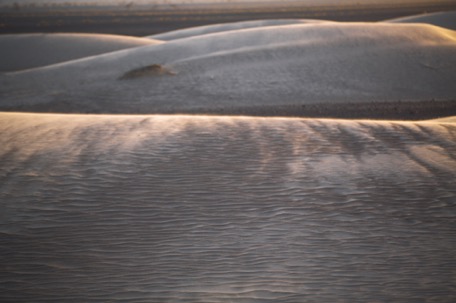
x=222 y=209
x=24 y=51
x=182 y=208
x=225 y=27
x=443 y=19
x=266 y=67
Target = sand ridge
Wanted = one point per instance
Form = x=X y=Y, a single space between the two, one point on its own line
x=442 y=19
x=264 y=67
x=25 y=51
x=219 y=28
x=225 y=208
x=210 y=204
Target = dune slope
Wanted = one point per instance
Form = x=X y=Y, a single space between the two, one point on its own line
x=25 y=51
x=225 y=27
x=218 y=208
x=260 y=68
x=442 y=19
x=223 y=209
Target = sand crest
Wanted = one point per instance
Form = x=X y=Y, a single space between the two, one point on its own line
x=264 y=67
x=225 y=27
x=442 y=19
x=218 y=208
x=25 y=51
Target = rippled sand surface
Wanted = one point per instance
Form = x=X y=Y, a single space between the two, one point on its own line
x=226 y=209
x=194 y=208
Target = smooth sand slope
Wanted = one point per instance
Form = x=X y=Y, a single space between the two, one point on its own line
x=272 y=70
x=443 y=19
x=226 y=209
x=225 y=27
x=24 y=51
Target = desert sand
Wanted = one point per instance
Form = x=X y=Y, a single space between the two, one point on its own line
x=219 y=28
x=156 y=207
x=442 y=19
x=203 y=209
x=238 y=71
x=25 y=51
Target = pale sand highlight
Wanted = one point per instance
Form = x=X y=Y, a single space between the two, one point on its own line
x=442 y=19
x=265 y=68
x=234 y=26
x=25 y=51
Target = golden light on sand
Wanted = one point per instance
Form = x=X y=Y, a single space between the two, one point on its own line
x=278 y=160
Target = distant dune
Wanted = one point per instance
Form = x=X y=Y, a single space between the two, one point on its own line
x=442 y=19
x=266 y=67
x=25 y=51
x=219 y=28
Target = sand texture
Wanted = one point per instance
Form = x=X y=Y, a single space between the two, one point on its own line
x=223 y=209
x=25 y=51
x=263 y=67
x=212 y=204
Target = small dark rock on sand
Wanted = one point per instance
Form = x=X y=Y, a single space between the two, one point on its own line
x=147 y=71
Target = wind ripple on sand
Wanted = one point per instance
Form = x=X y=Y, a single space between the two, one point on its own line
x=204 y=209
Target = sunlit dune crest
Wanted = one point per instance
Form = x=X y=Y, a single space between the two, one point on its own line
x=243 y=70
x=25 y=51
x=195 y=208
x=442 y=19
x=219 y=28
x=451 y=119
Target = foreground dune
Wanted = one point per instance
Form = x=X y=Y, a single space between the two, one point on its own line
x=275 y=69
x=24 y=51
x=223 y=209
